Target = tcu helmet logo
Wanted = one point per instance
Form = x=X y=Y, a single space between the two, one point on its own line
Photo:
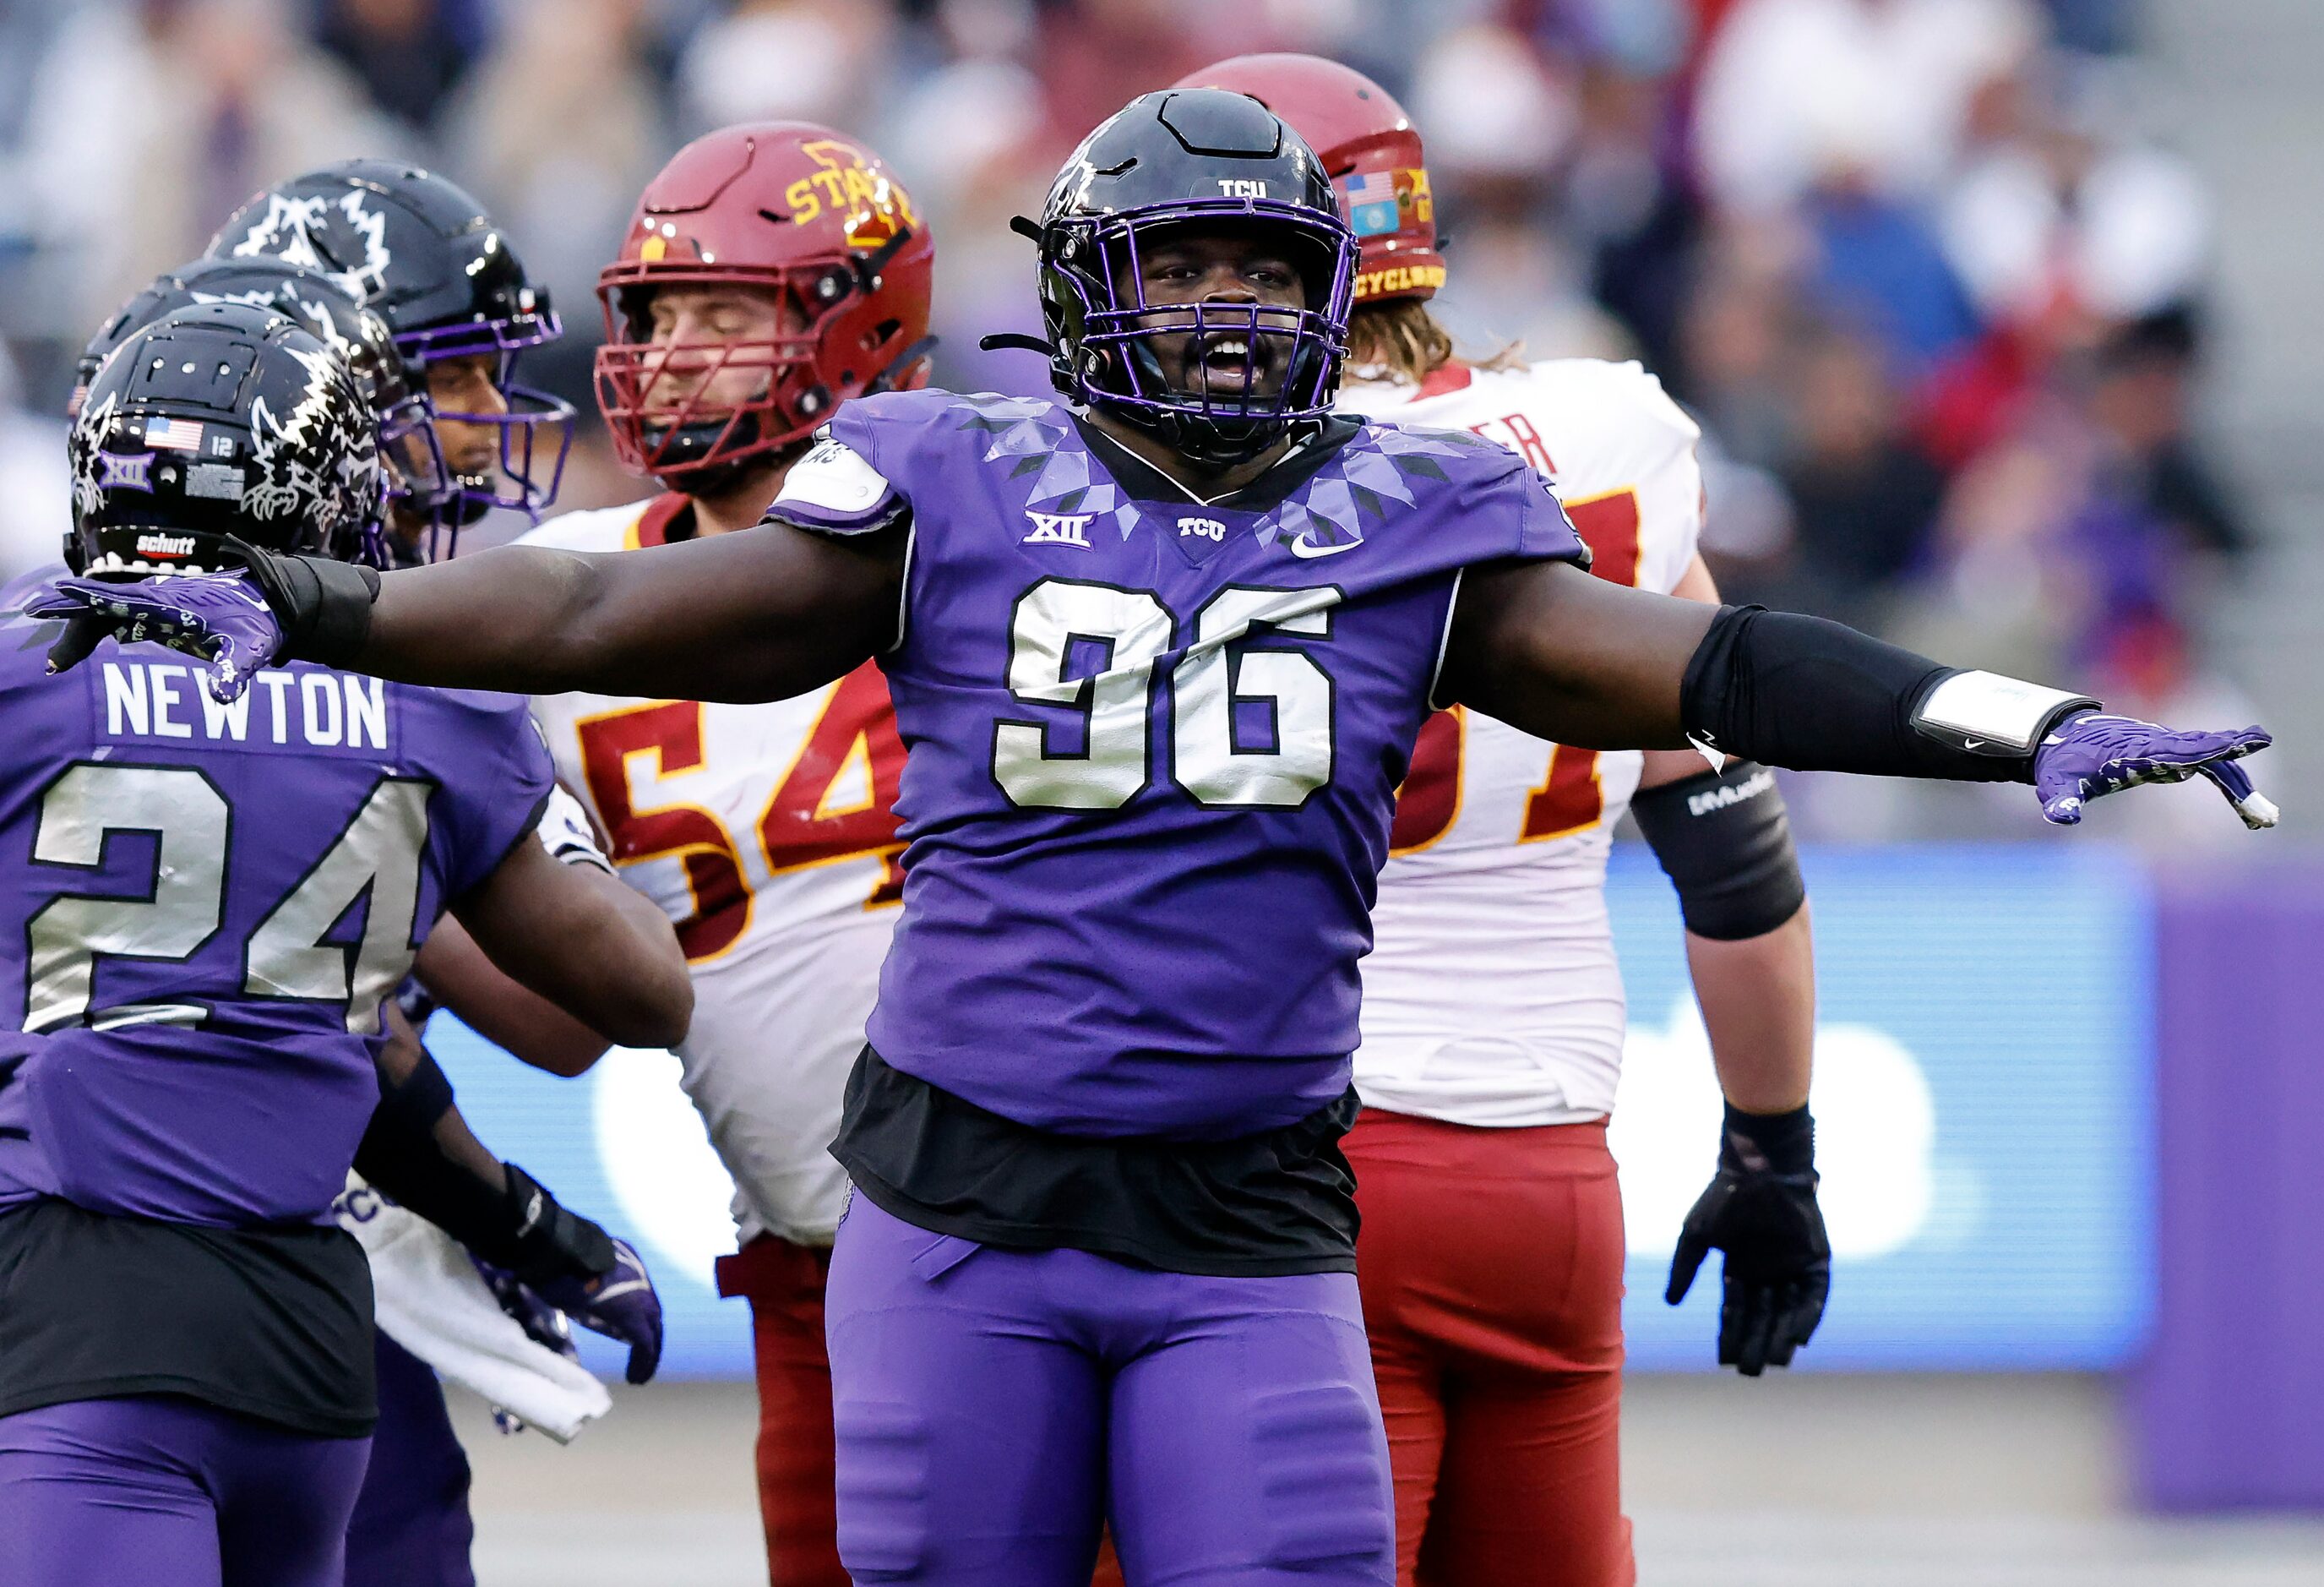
x=288 y=229
x=1237 y=187
x=1208 y=528
x=1059 y=529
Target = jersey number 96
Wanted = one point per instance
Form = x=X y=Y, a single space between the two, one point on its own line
x=1092 y=648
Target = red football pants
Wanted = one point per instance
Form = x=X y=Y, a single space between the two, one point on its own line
x=1491 y=1263
x=784 y=1285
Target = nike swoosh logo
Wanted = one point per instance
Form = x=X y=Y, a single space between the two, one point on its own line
x=1972 y=744
x=1301 y=548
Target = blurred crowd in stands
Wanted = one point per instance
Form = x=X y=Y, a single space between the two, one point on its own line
x=1927 y=271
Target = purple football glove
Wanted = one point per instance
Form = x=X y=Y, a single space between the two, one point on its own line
x=2091 y=754
x=621 y=1305
x=542 y=1323
x=220 y=617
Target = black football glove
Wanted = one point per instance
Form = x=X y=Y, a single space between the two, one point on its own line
x=1761 y=1210
x=574 y=1266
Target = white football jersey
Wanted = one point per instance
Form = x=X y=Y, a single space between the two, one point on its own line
x=765 y=834
x=1491 y=996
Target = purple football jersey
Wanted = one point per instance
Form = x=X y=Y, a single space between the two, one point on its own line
x=1154 y=748
x=209 y=902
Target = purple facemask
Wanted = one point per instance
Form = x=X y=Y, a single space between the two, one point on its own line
x=1237 y=347
x=527 y=460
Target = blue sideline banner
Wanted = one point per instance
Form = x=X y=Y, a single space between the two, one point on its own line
x=1985 y=1058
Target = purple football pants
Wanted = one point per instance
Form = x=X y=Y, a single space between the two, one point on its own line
x=410 y=1526
x=993 y=1407
x=153 y=1489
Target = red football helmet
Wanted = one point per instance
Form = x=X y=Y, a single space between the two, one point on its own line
x=786 y=206
x=1369 y=150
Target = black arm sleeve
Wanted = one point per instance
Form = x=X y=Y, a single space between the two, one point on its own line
x=515 y=1224
x=1815 y=696
x=399 y=1154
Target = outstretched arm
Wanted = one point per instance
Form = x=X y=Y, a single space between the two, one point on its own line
x=1573 y=658
x=1582 y=662
x=759 y=614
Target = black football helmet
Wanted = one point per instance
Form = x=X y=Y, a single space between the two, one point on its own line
x=218 y=419
x=423 y=255
x=319 y=306
x=1208 y=159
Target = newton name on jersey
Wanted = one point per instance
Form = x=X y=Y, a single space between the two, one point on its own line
x=302 y=709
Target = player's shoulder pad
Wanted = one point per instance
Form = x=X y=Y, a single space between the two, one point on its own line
x=835 y=489
x=857 y=476
x=832 y=477
x=1492 y=484
x=1623 y=394
x=586 y=529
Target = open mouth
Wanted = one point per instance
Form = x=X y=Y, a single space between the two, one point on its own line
x=1233 y=361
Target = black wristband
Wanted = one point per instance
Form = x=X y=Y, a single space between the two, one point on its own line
x=1816 y=696
x=323 y=604
x=1768 y=1143
x=1725 y=842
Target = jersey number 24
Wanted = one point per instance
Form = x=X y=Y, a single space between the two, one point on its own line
x=377 y=854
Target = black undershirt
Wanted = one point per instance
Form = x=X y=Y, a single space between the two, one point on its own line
x=274 y=1324
x=1264 y=1205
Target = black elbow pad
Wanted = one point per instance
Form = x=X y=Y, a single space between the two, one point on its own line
x=1725 y=843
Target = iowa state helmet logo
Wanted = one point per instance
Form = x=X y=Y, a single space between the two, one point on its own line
x=871 y=205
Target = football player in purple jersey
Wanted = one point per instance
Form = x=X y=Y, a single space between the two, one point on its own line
x=411 y=1526
x=214 y=902
x=421 y=253
x=1159 y=652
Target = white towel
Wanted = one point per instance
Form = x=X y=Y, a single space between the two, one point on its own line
x=430 y=1298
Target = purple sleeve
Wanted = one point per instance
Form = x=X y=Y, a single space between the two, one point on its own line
x=835 y=489
x=1543 y=530
x=494 y=783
